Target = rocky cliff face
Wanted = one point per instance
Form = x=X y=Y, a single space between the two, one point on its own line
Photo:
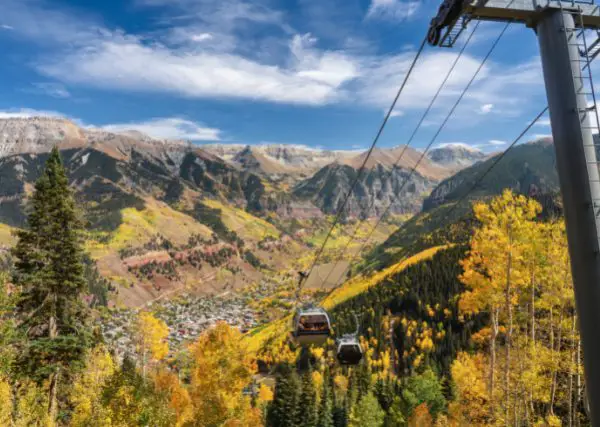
x=527 y=168
x=277 y=159
x=455 y=156
x=377 y=187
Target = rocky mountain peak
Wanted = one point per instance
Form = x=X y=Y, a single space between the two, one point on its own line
x=456 y=155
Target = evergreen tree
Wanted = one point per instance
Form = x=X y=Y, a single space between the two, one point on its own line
x=326 y=403
x=340 y=416
x=308 y=415
x=282 y=411
x=424 y=388
x=367 y=412
x=7 y=330
x=385 y=393
x=394 y=416
x=49 y=274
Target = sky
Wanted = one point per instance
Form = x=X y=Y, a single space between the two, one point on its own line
x=321 y=73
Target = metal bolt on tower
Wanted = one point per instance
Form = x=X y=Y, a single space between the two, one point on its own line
x=566 y=56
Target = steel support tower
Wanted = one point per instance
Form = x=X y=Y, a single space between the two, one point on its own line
x=566 y=56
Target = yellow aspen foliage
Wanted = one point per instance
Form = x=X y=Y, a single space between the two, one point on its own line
x=317 y=352
x=494 y=245
x=341 y=383
x=549 y=421
x=87 y=390
x=482 y=336
x=472 y=402
x=418 y=360
x=495 y=273
x=151 y=338
x=317 y=379
x=32 y=406
x=426 y=344
x=421 y=417
x=386 y=361
x=221 y=370
x=179 y=398
x=265 y=394
x=5 y=402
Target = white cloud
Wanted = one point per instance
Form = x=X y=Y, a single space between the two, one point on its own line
x=496 y=142
x=55 y=90
x=169 y=128
x=486 y=108
x=542 y=122
x=6 y=27
x=161 y=128
x=26 y=113
x=398 y=10
x=124 y=62
x=381 y=77
x=396 y=113
x=201 y=37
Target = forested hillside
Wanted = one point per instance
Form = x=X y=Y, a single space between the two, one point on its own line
x=460 y=339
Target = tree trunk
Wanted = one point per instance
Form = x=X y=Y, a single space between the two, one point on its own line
x=493 y=360
x=550 y=409
x=578 y=396
x=533 y=307
x=555 y=371
x=52 y=403
x=508 y=338
x=52 y=391
x=572 y=360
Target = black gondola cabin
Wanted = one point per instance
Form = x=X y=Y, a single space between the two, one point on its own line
x=349 y=351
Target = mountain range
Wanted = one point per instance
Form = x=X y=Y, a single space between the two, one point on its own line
x=158 y=211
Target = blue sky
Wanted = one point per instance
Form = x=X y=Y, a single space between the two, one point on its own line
x=314 y=72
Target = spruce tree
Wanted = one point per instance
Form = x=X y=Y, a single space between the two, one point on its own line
x=308 y=415
x=285 y=405
x=326 y=403
x=49 y=274
x=367 y=412
x=340 y=416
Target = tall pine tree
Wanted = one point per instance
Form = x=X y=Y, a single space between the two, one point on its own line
x=326 y=403
x=49 y=274
x=285 y=405
x=308 y=414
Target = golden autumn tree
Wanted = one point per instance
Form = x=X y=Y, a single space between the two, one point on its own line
x=221 y=370
x=178 y=396
x=86 y=393
x=421 y=417
x=151 y=339
x=5 y=402
x=468 y=375
x=494 y=273
x=32 y=406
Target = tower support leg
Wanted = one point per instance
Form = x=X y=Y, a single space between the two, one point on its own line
x=579 y=182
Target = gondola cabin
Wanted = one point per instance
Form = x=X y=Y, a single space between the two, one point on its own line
x=349 y=351
x=312 y=326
